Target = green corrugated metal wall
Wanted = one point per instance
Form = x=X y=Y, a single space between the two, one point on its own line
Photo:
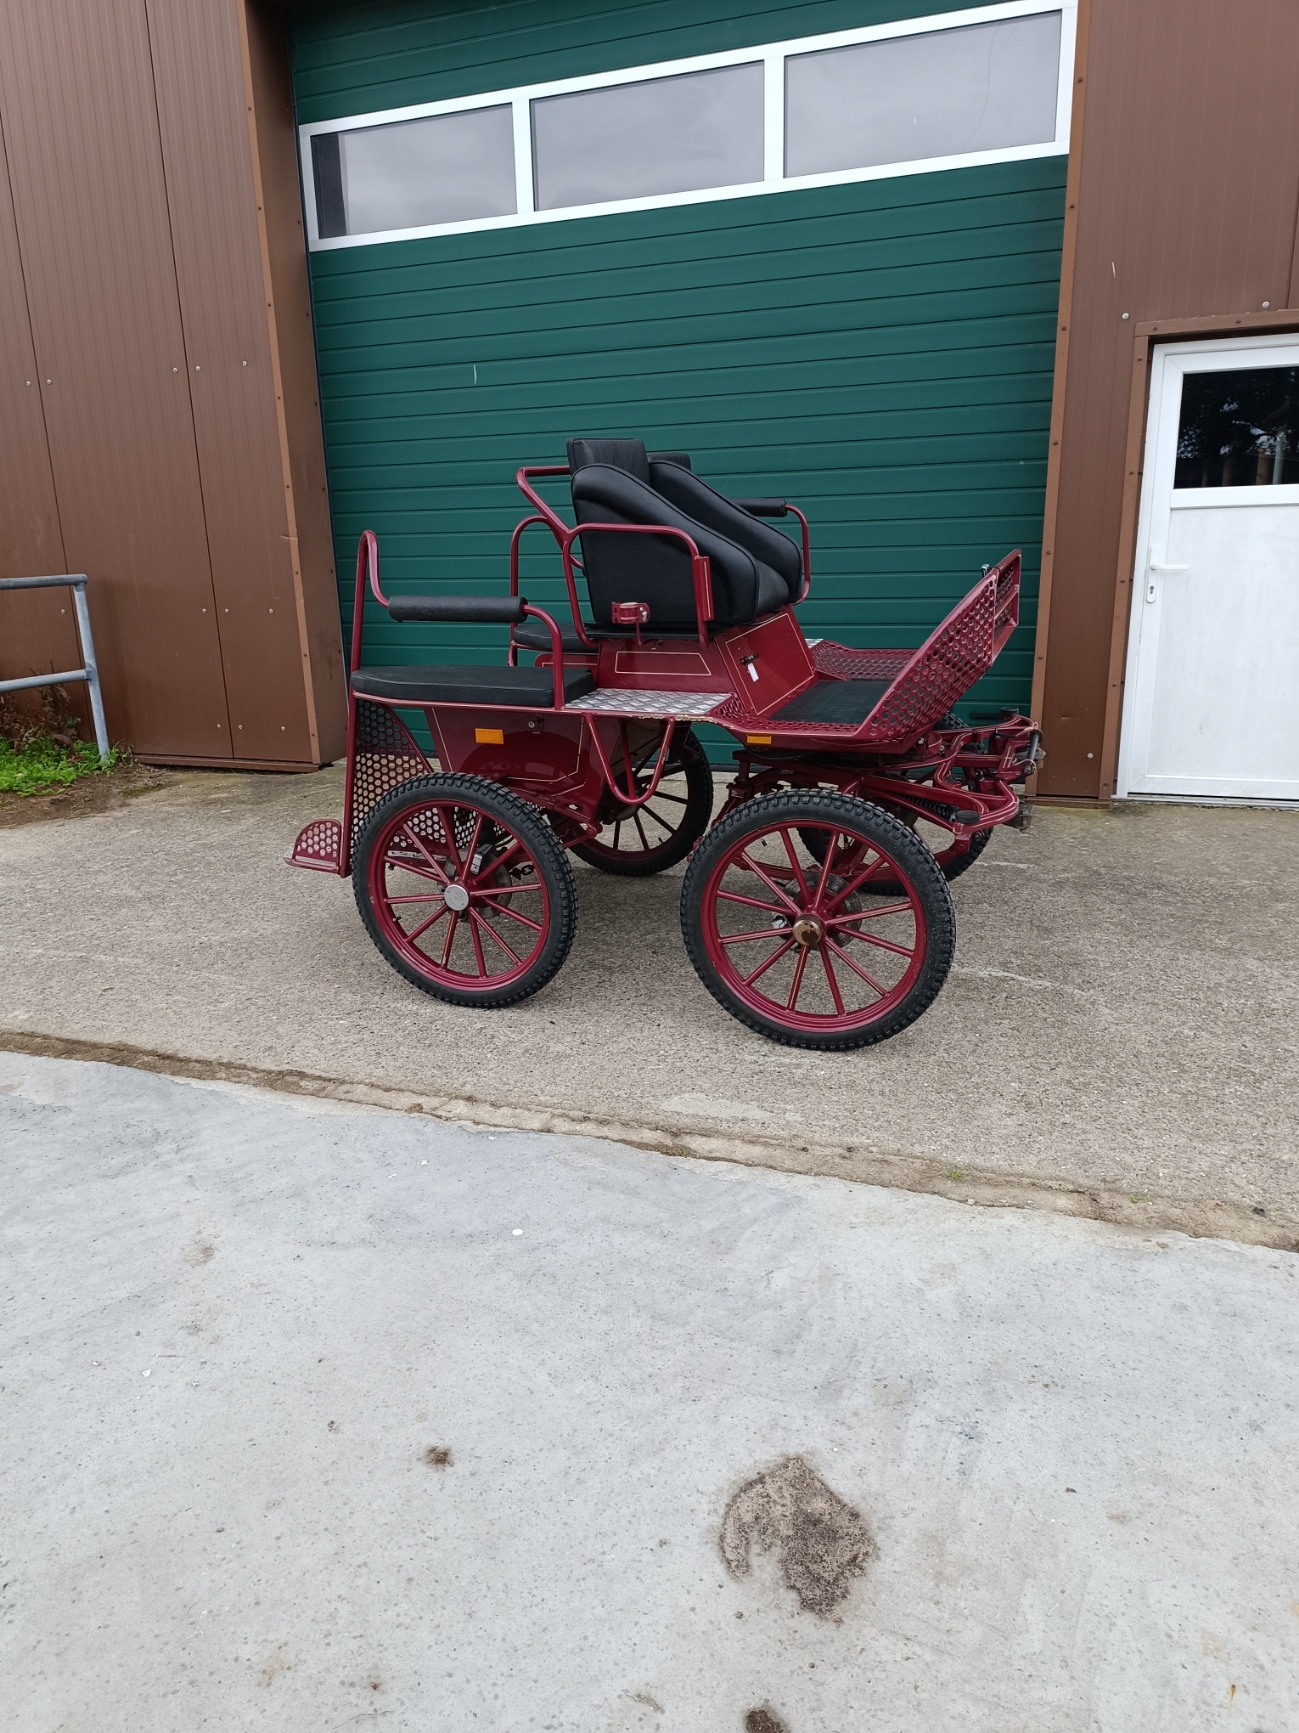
x=882 y=352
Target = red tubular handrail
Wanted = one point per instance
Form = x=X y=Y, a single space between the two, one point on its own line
x=807 y=552
x=606 y=769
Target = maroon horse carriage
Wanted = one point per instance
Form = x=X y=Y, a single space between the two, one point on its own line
x=813 y=907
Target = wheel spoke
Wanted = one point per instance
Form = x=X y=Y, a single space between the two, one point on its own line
x=793 y=861
x=835 y=994
x=764 y=966
x=800 y=969
x=617 y=834
x=874 y=939
x=418 y=843
x=505 y=909
x=867 y=914
x=479 y=959
x=425 y=925
x=472 y=850
x=452 y=924
x=449 y=836
x=870 y=980
x=759 y=872
x=490 y=930
x=750 y=902
x=424 y=896
x=866 y=874
x=640 y=832
x=761 y=933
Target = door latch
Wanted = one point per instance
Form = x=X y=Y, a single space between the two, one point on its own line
x=1159 y=566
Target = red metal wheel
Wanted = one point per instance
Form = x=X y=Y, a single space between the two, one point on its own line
x=798 y=942
x=465 y=890
x=639 y=840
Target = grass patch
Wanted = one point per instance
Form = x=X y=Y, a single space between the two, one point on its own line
x=40 y=762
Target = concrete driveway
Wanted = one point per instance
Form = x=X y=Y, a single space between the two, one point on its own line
x=319 y=1417
x=1117 y=1038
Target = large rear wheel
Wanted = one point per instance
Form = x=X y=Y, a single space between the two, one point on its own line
x=637 y=841
x=465 y=890
x=795 y=938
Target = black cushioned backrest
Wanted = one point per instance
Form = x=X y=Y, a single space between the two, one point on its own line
x=680 y=457
x=625 y=454
x=685 y=490
x=653 y=570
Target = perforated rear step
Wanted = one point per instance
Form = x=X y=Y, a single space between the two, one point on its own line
x=842 y=702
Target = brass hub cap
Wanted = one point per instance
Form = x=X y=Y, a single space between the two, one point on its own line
x=808 y=930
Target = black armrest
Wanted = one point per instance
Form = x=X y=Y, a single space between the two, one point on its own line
x=763 y=507
x=469 y=610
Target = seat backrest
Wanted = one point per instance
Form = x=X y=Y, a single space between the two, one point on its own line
x=611 y=483
x=689 y=493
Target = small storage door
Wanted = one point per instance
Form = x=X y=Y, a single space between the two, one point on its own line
x=1211 y=708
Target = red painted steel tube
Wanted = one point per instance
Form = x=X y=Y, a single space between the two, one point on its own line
x=606 y=769
x=807 y=552
x=556 y=652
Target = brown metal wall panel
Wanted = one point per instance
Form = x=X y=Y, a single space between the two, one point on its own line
x=202 y=116
x=1188 y=186
x=81 y=126
x=288 y=294
x=37 y=635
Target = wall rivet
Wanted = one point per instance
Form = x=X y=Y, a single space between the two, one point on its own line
x=1127 y=315
x=1267 y=303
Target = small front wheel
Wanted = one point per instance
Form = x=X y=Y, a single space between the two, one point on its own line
x=795 y=938
x=465 y=890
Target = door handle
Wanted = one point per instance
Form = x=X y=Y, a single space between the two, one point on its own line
x=1159 y=566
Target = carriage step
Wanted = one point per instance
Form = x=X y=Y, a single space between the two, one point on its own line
x=319 y=847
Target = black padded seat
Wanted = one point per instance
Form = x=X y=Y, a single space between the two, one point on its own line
x=535 y=635
x=842 y=703
x=471 y=683
x=613 y=481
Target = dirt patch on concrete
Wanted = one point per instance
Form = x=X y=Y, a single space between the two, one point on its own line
x=822 y=1544
x=81 y=799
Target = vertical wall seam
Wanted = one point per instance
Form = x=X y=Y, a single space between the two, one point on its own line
x=31 y=332
x=277 y=376
x=1064 y=330
x=189 y=383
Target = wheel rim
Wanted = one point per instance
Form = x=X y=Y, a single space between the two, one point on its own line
x=459 y=895
x=807 y=947
x=643 y=833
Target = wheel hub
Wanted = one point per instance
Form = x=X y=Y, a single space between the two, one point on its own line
x=808 y=930
x=456 y=897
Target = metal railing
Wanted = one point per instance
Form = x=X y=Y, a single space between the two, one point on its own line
x=76 y=582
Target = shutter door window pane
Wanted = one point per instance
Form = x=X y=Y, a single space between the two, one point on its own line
x=982 y=87
x=448 y=168
x=666 y=135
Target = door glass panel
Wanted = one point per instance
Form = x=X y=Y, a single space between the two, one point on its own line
x=664 y=135
x=981 y=87
x=1239 y=429
x=447 y=168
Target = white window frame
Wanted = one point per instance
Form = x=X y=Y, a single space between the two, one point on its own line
x=771 y=56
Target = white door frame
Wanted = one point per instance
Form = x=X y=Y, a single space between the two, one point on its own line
x=1170 y=361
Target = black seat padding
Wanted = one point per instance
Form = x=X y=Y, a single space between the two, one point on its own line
x=612 y=482
x=678 y=483
x=535 y=635
x=471 y=683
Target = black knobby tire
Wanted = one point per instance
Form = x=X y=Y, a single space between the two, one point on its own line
x=854 y=825
x=407 y=833
x=667 y=843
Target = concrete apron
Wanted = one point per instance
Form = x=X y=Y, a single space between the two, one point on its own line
x=317 y=1416
x=1116 y=1039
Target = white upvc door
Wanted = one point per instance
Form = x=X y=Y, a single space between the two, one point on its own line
x=1211 y=705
